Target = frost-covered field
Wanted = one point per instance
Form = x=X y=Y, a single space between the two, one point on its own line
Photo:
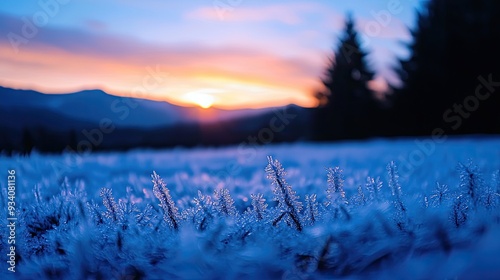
x=341 y=210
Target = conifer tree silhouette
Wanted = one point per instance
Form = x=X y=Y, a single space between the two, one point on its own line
x=348 y=99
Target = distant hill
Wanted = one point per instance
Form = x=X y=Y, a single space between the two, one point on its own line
x=94 y=105
x=53 y=122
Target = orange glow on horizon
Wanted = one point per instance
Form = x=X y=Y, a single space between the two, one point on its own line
x=257 y=56
x=201 y=97
x=209 y=85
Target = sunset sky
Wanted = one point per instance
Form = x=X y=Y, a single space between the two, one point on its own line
x=229 y=53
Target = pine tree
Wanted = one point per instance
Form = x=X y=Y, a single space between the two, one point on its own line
x=349 y=101
x=454 y=49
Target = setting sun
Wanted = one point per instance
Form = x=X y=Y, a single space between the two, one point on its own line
x=202 y=98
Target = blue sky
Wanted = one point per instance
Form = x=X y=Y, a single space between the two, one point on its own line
x=228 y=53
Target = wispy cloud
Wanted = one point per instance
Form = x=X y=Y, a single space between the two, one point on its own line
x=70 y=59
x=290 y=14
x=96 y=25
x=394 y=29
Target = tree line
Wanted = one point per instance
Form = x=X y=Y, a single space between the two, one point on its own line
x=448 y=84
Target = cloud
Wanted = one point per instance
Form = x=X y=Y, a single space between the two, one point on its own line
x=96 y=25
x=393 y=29
x=248 y=61
x=290 y=14
x=370 y=27
x=66 y=59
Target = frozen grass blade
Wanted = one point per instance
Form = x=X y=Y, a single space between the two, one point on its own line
x=259 y=206
x=335 y=194
x=288 y=202
x=224 y=203
x=113 y=212
x=170 y=211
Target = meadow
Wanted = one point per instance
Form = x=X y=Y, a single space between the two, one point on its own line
x=377 y=209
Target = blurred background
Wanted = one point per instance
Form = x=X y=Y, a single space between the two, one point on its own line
x=117 y=75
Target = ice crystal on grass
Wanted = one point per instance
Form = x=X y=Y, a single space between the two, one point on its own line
x=311 y=213
x=144 y=217
x=131 y=237
x=374 y=187
x=44 y=220
x=95 y=213
x=440 y=194
x=460 y=210
x=401 y=216
x=335 y=189
x=490 y=198
x=496 y=181
x=112 y=210
x=359 y=199
x=288 y=202
x=224 y=203
x=492 y=193
x=392 y=170
x=259 y=206
x=335 y=194
x=170 y=211
x=471 y=182
x=203 y=213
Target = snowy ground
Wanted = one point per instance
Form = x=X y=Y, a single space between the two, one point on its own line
x=67 y=227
